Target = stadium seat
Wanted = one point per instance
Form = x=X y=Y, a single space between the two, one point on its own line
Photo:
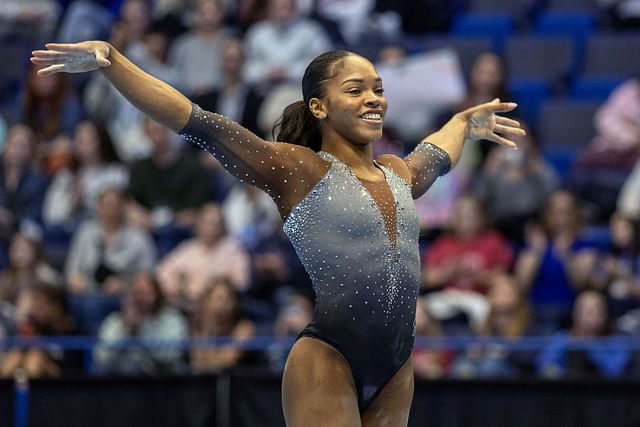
x=612 y=54
x=467 y=48
x=529 y=94
x=547 y=58
x=496 y=26
x=593 y=88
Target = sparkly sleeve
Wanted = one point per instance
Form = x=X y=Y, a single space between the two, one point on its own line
x=426 y=163
x=286 y=172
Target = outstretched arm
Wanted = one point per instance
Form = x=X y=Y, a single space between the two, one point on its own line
x=150 y=95
x=284 y=171
x=441 y=150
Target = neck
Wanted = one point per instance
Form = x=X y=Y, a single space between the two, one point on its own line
x=359 y=157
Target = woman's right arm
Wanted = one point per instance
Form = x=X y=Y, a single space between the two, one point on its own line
x=286 y=172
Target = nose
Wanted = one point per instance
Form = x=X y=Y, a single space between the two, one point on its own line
x=372 y=100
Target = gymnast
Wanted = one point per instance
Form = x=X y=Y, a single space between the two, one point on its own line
x=350 y=217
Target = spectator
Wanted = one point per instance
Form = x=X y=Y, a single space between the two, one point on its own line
x=251 y=214
x=294 y=314
x=628 y=202
x=44 y=311
x=197 y=56
x=107 y=251
x=145 y=316
x=22 y=188
x=233 y=97
x=166 y=189
x=603 y=167
x=460 y=263
x=50 y=106
x=555 y=262
x=514 y=184
x=27 y=267
x=620 y=266
x=590 y=320
x=219 y=315
x=510 y=318
x=73 y=194
x=186 y=271
x=429 y=363
x=280 y=47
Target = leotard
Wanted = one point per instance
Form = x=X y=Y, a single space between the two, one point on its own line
x=358 y=240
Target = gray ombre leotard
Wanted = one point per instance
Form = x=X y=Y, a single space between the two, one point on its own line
x=358 y=240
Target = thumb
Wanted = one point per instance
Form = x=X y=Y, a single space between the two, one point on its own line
x=101 y=60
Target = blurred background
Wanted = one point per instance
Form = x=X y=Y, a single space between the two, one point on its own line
x=140 y=284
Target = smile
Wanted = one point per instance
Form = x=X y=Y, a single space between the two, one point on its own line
x=372 y=117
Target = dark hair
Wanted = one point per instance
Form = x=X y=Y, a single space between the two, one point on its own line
x=298 y=125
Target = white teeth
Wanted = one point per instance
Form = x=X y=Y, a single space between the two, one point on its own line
x=372 y=116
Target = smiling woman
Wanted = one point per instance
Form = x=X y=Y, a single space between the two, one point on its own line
x=350 y=217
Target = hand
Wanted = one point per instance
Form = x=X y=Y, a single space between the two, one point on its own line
x=483 y=123
x=72 y=58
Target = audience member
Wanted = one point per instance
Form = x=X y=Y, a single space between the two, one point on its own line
x=563 y=358
x=50 y=106
x=27 y=268
x=233 y=97
x=514 y=185
x=294 y=314
x=22 y=187
x=186 y=271
x=628 y=202
x=280 y=47
x=430 y=362
x=510 y=318
x=603 y=167
x=460 y=263
x=197 y=56
x=219 y=315
x=555 y=262
x=166 y=189
x=44 y=311
x=73 y=194
x=144 y=315
x=107 y=251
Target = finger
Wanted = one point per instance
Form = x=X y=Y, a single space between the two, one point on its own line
x=509 y=130
x=493 y=107
x=45 y=61
x=502 y=141
x=51 y=70
x=509 y=122
x=49 y=54
x=101 y=60
x=65 y=47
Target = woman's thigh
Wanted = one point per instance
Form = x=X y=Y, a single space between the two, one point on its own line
x=391 y=407
x=318 y=388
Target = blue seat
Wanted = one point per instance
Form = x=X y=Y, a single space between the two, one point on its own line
x=594 y=88
x=497 y=26
x=467 y=48
x=612 y=54
x=530 y=94
x=566 y=122
x=578 y=25
x=549 y=58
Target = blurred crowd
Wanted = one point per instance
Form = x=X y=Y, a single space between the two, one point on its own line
x=112 y=226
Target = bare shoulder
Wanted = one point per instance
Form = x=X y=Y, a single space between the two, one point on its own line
x=396 y=164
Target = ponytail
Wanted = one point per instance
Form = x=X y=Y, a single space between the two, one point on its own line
x=298 y=126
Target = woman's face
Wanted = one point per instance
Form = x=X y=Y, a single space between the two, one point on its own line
x=354 y=106
x=561 y=212
x=86 y=142
x=210 y=224
x=111 y=207
x=143 y=293
x=621 y=231
x=20 y=146
x=22 y=252
x=590 y=314
x=220 y=302
x=486 y=74
x=467 y=217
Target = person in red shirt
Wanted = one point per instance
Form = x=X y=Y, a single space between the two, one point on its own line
x=458 y=265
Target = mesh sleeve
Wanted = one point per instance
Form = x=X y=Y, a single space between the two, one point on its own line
x=286 y=172
x=426 y=163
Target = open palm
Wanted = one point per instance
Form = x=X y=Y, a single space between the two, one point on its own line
x=72 y=58
x=484 y=123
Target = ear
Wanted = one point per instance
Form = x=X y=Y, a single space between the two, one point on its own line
x=318 y=108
